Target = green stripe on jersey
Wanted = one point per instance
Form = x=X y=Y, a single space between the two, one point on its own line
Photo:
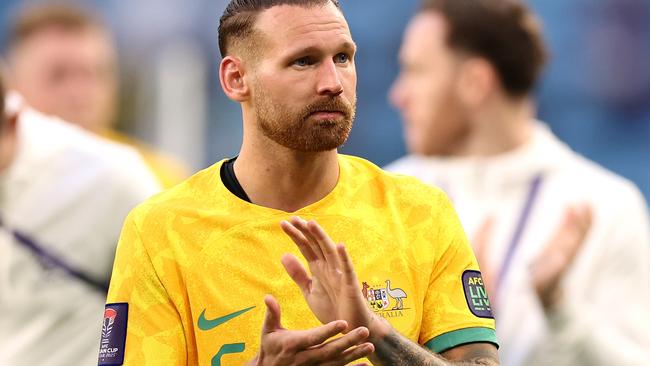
x=459 y=337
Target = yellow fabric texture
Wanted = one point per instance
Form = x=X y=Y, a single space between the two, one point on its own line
x=197 y=248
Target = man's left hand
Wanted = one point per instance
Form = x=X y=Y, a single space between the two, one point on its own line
x=332 y=292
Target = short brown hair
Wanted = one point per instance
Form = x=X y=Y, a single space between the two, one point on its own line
x=504 y=32
x=238 y=19
x=33 y=19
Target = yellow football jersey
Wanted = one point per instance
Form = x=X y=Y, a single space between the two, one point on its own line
x=194 y=263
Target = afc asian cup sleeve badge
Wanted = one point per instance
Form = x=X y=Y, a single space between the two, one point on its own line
x=113 y=337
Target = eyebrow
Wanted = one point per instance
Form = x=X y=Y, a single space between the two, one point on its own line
x=350 y=45
x=347 y=45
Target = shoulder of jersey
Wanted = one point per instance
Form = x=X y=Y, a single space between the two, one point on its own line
x=196 y=193
x=405 y=187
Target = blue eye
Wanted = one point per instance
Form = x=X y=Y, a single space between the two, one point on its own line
x=302 y=62
x=342 y=58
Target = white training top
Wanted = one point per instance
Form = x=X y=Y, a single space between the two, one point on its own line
x=604 y=318
x=68 y=191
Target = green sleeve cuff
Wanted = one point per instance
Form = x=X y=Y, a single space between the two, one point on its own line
x=459 y=337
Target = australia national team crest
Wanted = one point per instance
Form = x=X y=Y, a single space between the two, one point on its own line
x=384 y=299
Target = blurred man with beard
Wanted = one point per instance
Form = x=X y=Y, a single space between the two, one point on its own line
x=194 y=264
x=564 y=245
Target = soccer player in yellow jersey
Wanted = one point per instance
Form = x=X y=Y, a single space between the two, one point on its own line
x=199 y=268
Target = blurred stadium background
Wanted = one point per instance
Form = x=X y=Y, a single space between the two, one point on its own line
x=595 y=94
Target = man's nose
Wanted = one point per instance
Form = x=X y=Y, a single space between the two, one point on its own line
x=329 y=79
x=395 y=94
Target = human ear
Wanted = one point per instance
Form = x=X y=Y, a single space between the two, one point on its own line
x=231 y=75
x=476 y=81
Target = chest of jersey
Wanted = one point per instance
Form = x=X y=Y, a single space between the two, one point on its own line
x=237 y=267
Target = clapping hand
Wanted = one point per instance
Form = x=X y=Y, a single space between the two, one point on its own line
x=332 y=291
x=556 y=258
x=285 y=347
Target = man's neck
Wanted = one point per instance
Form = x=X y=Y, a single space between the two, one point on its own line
x=283 y=179
x=501 y=128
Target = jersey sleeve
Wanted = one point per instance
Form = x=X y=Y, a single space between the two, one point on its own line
x=152 y=326
x=456 y=307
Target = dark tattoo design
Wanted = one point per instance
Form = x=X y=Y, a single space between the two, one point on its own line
x=397 y=350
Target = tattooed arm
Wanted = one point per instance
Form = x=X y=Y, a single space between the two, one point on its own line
x=333 y=293
x=396 y=350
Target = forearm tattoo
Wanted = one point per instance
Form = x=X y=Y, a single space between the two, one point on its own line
x=397 y=350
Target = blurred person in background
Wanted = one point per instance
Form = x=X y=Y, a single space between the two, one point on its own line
x=564 y=244
x=64 y=193
x=63 y=62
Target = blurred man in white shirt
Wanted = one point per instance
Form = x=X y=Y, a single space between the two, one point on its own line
x=564 y=244
x=63 y=196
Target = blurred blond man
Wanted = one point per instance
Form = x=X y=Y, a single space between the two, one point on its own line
x=63 y=62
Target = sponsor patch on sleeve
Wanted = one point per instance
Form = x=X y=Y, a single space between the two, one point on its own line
x=113 y=341
x=476 y=295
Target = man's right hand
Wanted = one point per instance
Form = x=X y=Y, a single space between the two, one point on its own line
x=560 y=252
x=281 y=346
